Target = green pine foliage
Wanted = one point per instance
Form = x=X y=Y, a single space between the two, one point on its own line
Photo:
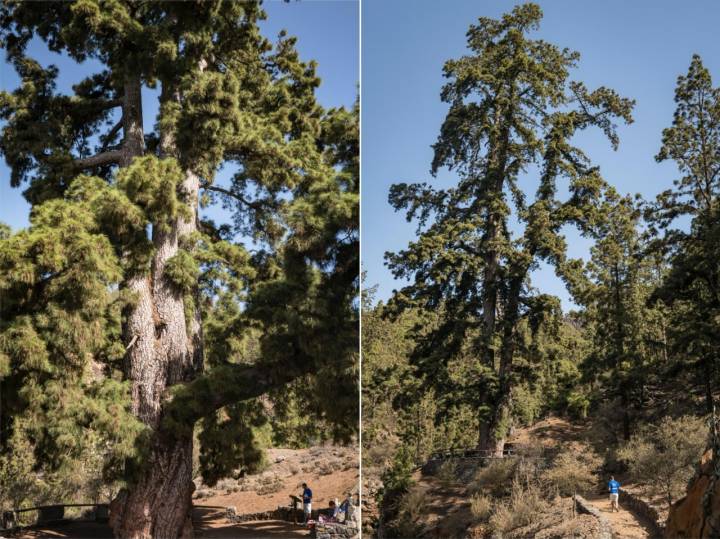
x=469 y=350
x=107 y=193
x=512 y=104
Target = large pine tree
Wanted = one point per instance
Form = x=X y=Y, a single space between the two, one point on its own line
x=118 y=296
x=512 y=105
x=692 y=286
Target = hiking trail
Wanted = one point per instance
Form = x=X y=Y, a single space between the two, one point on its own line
x=625 y=524
x=554 y=431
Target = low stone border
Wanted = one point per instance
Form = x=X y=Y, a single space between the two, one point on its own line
x=583 y=506
x=333 y=530
x=642 y=508
x=281 y=513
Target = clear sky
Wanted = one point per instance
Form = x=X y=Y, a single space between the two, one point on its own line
x=327 y=31
x=638 y=48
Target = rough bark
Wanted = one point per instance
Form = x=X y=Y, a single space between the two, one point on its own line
x=496 y=175
x=495 y=431
x=158 y=502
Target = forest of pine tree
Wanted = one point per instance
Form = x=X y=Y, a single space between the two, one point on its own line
x=141 y=343
x=469 y=350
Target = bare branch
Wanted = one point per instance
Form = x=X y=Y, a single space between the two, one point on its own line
x=111 y=135
x=232 y=194
x=111 y=103
x=104 y=158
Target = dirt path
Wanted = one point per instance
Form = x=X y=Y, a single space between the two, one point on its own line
x=331 y=472
x=554 y=431
x=212 y=524
x=625 y=524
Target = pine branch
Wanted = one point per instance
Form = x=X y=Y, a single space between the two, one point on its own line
x=103 y=158
x=111 y=135
x=110 y=103
x=232 y=194
x=228 y=384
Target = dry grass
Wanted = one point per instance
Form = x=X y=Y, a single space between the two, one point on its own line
x=574 y=471
x=270 y=485
x=481 y=507
x=521 y=509
x=411 y=508
x=495 y=479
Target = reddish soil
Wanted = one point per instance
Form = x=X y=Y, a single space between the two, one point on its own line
x=330 y=472
x=625 y=525
x=555 y=431
x=211 y=524
x=550 y=432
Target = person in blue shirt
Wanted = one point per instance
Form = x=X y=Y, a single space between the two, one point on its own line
x=614 y=489
x=307 y=502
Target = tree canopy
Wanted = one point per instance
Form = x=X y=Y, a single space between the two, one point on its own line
x=127 y=317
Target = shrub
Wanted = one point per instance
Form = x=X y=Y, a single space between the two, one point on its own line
x=325 y=467
x=270 y=485
x=411 y=508
x=578 y=404
x=481 y=507
x=663 y=457
x=527 y=404
x=399 y=476
x=521 y=509
x=574 y=471
x=495 y=479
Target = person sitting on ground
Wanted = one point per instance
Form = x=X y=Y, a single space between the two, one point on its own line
x=614 y=488
x=307 y=502
x=332 y=513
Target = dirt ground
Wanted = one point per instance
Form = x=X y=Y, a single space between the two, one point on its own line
x=625 y=525
x=550 y=432
x=211 y=524
x=448 y=508
x=331 y=472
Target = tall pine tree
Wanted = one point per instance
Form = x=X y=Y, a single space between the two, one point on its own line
x=692 y=286
x=110 y=293
x=512 y=105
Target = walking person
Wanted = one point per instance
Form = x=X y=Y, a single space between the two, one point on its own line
x=614 y=489
x=307 y=502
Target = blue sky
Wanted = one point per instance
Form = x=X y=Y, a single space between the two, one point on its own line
x=638 y=48
x=327 y=31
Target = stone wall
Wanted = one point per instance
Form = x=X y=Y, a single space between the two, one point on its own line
x=281 y=513
x=335 y=530
x=370 y=509
x=642 y=508
x=328 y=530
x=583 y=506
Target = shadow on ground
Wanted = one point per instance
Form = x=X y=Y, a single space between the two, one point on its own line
x=209 y=522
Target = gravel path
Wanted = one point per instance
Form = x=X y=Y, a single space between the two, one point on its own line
x=625 y=524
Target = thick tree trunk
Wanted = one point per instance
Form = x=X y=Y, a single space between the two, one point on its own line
x=163 y=351
x=494 y=432
x=159 y=504
x=496 y=176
